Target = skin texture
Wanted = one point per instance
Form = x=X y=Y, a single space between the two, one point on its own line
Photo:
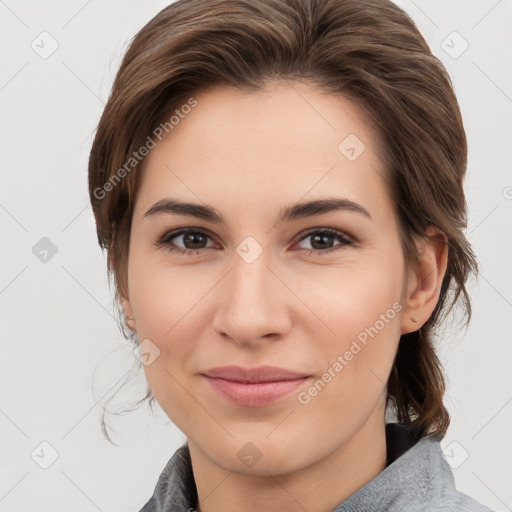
x=249 y=155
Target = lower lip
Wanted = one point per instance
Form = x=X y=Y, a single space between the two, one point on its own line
x=256 y=394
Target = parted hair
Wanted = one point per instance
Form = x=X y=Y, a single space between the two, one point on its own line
x=367 y=50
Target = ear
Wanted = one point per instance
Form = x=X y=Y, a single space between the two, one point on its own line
x=128 y=313
x=424 y=285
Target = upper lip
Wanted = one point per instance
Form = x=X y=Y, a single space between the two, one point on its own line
x=253 y=375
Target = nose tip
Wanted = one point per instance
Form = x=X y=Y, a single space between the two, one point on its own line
x=248 y=340
x=251 y=306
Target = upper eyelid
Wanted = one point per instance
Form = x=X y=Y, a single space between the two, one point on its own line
x=329 y=230
x=173 y=233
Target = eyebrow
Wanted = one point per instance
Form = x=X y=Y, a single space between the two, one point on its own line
x=287 y=214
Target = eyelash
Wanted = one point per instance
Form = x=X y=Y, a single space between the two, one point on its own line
x=165 y=241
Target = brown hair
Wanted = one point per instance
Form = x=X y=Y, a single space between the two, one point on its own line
x=367 y=50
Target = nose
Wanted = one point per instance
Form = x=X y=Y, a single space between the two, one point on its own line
x=253 y=303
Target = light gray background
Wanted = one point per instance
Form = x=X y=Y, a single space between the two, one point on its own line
x=57 y=326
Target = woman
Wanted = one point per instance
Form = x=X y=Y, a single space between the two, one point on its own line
x=279 y=187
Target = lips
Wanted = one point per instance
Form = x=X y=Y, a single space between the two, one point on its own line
x=253 y=387
x=253 y=375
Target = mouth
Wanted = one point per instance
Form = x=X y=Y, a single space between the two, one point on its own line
x=253 y=387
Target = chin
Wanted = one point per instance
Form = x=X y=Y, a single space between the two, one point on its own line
x=258 y=453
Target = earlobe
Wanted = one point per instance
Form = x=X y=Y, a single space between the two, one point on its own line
x=423 y=294
x=128 y=313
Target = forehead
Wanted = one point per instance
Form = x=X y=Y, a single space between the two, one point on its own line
x=289 y=140
x=282 y=112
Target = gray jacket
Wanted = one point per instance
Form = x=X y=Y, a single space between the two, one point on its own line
x=417 y=479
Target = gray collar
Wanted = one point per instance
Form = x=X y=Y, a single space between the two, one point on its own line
x=416 y=479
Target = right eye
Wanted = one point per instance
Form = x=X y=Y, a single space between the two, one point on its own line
x=193 y=241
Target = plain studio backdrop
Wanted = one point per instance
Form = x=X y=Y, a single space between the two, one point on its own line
x=58 y=61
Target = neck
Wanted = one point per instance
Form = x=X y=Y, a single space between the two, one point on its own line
x=321 y=486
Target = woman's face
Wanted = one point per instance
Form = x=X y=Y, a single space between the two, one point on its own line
x=259 y=281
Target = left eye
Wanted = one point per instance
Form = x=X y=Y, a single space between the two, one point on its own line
x=321 y=240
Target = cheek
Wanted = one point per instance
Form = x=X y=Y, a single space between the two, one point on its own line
x=170 y=307
x=172 y=321
x=163 y=297
x=347 y=298
x=356 y=366
x=360 y=306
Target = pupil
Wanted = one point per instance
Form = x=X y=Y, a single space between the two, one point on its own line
x=193 y=238
x=321 y=239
